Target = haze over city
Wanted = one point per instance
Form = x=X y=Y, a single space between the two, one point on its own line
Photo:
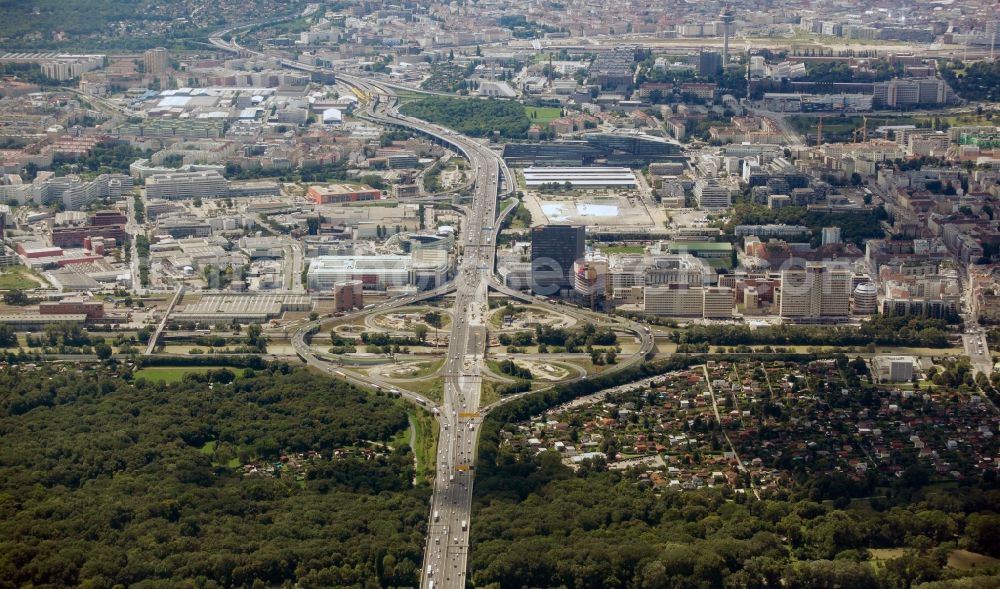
x=499 y=294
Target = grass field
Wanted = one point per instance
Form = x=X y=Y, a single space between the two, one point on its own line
x=836 y=125
x=432 y=388
x=542 y=115
x=489 y=394
x=428 y=368
x=886 y=553
x=18 y=278
x=405 y=96
x=170 y=374
x=623 y=249
x=720 y=263
x=426 y=443
x=965 y=560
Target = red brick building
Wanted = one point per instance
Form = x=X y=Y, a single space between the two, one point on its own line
x=92 y=309
x=74 y=236
x=339 y=193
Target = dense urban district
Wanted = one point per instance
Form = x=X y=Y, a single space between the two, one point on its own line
x=498 y=294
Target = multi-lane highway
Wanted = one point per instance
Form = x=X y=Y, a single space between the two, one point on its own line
x=446 y=552
x=459 y=413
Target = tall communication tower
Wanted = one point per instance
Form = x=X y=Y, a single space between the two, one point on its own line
x=727 y=17
x=992 y=30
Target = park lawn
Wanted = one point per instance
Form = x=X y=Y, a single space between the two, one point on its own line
x=623 y=249
x=542 y=115
x=18 y=278
x=170 y=374
x=720 y=263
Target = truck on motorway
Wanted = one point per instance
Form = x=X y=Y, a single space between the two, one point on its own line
x=437 y=515
x=464 y=525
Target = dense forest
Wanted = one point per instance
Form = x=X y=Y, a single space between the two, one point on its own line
x=856 y=226
x=978 y=81
x=36 y=23
x=880 y=330
x=478 y=118
x=106 y=157
x=540 y=524
x=219 y=480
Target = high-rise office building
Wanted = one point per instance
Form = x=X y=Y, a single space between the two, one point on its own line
x=156 y=60
x=554 y=249
x=815 y=292
x=709 y=63
x=718 y=302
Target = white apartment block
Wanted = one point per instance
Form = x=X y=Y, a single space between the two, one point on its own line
x=709 y=194
x=187 y=185
x=674 y=300
x=73 y=192
x=58 y=66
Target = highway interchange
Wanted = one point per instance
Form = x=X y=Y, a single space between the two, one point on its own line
x=459 y=414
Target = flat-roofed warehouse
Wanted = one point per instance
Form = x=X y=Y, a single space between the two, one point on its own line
x=589 y=176
x=425 y=268
x=244 y=308
x=31 y=321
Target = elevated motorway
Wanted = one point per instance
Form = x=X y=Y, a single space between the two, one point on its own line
x=459 y=414
x=446 y=553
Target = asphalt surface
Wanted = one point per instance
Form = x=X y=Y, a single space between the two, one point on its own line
x=459 y=414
